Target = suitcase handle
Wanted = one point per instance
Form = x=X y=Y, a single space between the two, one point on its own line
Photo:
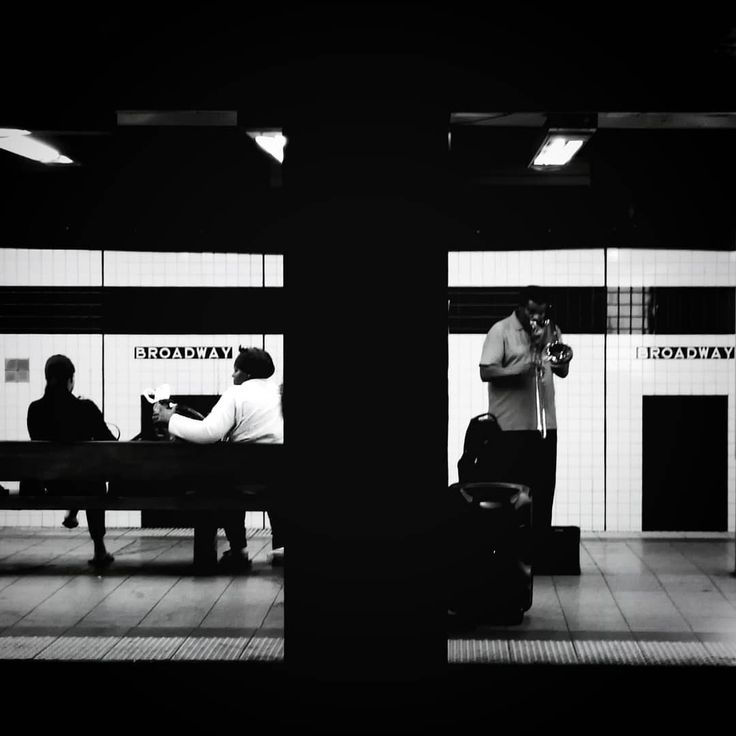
x=493 y=489
x=491 y=505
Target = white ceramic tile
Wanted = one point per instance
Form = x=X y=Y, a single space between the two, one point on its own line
x=49 y=267
x=148 y=268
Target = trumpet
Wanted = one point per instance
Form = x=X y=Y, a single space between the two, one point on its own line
x=546 y=348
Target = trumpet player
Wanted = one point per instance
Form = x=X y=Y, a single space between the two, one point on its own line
x=521 y=355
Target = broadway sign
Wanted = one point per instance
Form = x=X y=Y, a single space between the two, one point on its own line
x=704 y=352
x=175 y=352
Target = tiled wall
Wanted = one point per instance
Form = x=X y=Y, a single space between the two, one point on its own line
x=85 y=351
x=127 y=377
x=630 y=378
x=574 y=267
x=124 y=376
x=582 y=411
x=627 y=267
x=139 y=268
x=34 y=267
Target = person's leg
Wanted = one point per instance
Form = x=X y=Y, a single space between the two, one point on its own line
x=544 y=492
x=514 y=462
x=233 y=522
x=277 y=537
x=96 y=525
x=277 y=520
x=236 y=558
x=205 y=542
x=70 y=519
x=95 y=517
x=277 y=529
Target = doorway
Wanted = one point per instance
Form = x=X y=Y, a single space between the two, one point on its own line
x=684 y=466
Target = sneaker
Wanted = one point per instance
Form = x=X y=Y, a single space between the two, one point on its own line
x=235 y=561
x=277 y=556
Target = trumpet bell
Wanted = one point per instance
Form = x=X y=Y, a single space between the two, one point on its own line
x=558 y=353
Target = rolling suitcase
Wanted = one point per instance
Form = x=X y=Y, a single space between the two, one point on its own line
x=490 y=572
x=491 y=578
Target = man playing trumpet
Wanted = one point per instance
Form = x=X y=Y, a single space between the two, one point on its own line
x=521 y=355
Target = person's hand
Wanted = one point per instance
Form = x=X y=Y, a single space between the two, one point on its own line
x=161 y=413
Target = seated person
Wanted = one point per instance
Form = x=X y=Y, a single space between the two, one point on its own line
x=249 y=411
x=60 y=416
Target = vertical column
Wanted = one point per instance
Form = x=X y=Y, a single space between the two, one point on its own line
x=366 y=377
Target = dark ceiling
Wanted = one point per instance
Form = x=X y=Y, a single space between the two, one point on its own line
x=644 y=180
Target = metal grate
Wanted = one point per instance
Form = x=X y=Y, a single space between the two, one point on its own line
x=722 y=652
x=580 y=310
x=542 y=652
x=79 y=647
x=23 y=647
x=145 y=648
x=630 y=310
x=211 y=648
x=259 y=533
x=675 y=652
x=264 y=649
x=50 y=309
x=478 y=650
x=608 y=652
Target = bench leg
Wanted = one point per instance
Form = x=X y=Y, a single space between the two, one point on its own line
x=205 y=545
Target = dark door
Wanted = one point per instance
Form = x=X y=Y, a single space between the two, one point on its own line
x=684 y=484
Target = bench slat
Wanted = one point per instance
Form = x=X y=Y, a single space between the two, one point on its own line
x=150 y=461
x=134 y=503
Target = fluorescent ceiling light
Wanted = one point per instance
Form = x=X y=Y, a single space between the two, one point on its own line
x=271 y=141
x=23 y=143
x=559 y=147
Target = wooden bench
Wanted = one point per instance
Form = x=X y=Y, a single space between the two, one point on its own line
x=248 y=471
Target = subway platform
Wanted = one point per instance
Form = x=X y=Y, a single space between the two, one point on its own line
x=147 y=606
x=641 y=599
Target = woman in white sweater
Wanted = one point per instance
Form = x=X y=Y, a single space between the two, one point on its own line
x=249 y=411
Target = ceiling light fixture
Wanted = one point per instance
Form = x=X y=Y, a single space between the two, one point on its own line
x=559 y=147
x=22 y=143
x=272 y=142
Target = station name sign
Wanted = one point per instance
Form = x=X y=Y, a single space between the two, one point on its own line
x=703 y=352
x=178 y=352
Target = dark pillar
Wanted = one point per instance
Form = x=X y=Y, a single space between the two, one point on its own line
x=366 y=413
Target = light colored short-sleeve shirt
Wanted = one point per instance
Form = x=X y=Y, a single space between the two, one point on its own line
x=513 y=402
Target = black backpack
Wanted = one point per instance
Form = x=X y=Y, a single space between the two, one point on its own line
x=479 y=460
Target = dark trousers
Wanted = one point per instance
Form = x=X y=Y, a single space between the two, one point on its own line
x=233 y=523
x=95 y=517
x=527 y=458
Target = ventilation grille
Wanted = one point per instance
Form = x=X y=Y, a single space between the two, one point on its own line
x=50 y=310
x=577 y=309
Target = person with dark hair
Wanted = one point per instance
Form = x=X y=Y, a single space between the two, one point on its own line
x=519 y=370
x=249 y=411
x=59 y=416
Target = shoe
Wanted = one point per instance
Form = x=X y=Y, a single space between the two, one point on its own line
x=70 y=522
x=235 y=561
x=101 y=560
x=277 y=556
